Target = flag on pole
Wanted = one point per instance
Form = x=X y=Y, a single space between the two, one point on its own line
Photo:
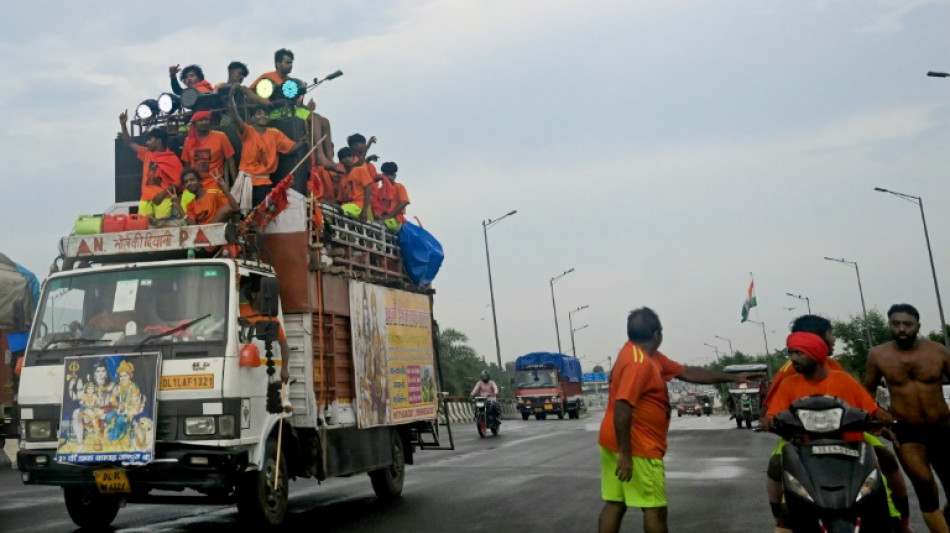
x=749 y=302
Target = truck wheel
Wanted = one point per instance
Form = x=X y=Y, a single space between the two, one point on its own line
x=257 y=501
x=525 y=416
x=387 y=482
x=90 y=509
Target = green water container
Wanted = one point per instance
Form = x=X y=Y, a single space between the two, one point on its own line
x=88 y=225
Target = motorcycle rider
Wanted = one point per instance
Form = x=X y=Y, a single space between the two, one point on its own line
x=486 y=387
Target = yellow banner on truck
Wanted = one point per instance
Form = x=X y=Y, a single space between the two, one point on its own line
x=393 y=355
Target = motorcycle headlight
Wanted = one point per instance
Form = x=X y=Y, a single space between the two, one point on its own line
x=796 y=486
x=822 y=421
x=869 y=483
x=199 y=425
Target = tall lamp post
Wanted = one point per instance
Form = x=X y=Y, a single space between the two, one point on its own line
x=731 y=351
x=768 y=356
x=572 y=338
x=714 y=347
x=864 y=309
x=557 y=330
x=920 y=203
x=486 y=224
x=800 y=297
x=571 y=324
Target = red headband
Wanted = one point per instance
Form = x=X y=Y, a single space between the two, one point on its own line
x=809 y=344
x=198 y=115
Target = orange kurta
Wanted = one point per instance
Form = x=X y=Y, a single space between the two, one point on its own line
x=259 y=152
x=358 y=178
x=203 y=209
x=640 y=379
x=789 y=370
x=160 y=170
x=207 y=154
x=837 y=383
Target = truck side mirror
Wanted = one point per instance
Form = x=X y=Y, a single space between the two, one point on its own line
x=270 y=293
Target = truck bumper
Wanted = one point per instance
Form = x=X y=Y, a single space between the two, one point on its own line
x=171 y=470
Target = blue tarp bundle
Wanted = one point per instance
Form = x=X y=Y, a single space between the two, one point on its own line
x=569 y=367
x=421 y=253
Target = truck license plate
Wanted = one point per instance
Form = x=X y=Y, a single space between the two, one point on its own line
x=193 y=381
x=834 y=450
x=112 y=480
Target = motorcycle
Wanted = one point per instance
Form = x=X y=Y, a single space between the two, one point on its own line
x=485 y=420
x=831 y=484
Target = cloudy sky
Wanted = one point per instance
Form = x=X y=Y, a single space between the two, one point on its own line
x=662 y=149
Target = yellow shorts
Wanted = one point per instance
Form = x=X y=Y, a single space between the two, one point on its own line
x=355 y=211
x=647 y=487
x=160 y=210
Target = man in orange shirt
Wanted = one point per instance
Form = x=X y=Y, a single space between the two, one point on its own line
x=207 y=206
x=259 y=149
x=394 y=214
x=896 y=484
x=633 y=432
x=208 y=151
x=357 y=186
x=161 y=170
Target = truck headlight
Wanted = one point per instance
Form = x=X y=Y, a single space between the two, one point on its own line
x=226 y=426
x=199 y=425
x=39 y=429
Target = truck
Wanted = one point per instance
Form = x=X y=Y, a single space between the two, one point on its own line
x=19 y=289
x=153 y=367
x=548 y=383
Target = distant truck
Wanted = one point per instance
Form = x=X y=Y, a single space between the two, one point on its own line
x=18 y=293
x=549 y=383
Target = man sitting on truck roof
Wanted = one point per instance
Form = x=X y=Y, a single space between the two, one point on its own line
x=192 y=76
x=260 y=146
x=395 y=213
x=207 y=206
x=161 y=170
x=357 y=187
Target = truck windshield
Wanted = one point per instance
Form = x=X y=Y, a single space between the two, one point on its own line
x=123 y=307
x=538 y=379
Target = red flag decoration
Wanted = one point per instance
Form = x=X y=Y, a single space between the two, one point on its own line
x=273 y=205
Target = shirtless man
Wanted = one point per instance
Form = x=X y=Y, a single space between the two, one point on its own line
x=914 y=370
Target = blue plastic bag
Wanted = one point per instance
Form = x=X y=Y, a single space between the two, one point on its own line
x=421 y=253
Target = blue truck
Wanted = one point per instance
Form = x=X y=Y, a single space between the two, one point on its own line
x=549 y=383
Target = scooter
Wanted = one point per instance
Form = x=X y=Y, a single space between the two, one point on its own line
x=831 y=485
x=484 y=420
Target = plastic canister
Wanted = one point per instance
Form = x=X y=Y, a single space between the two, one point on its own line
x=136 y=222
x=114 y=223
x=88 y=225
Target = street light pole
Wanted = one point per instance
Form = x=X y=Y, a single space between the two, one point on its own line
x=486 y=224
x=571 y=324
x=864 y=309
x=933 y=270
x=573 y=350
x=768 y=356
x=800 y=297
x=731 y=351
x=714 y=347
x=557 y=330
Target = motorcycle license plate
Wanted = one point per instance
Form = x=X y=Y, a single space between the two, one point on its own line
x=548 y=407
x=112 y=480
x=833 y=449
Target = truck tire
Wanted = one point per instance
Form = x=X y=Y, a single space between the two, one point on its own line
x=257 y=502
x=90 y=509
x=525 y=416
x=387 y=482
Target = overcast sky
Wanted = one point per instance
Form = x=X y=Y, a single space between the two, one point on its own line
x=662 y=149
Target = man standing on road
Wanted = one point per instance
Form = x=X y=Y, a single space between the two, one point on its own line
x=633 y=432
x=914 y=370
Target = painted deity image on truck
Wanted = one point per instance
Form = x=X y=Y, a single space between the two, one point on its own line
x=108 y=409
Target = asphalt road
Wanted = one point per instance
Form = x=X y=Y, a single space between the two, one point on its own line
x=534 y=476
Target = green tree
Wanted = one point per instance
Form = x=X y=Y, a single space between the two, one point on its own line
x=597 y=368
x=852 y=336
x=461 y=365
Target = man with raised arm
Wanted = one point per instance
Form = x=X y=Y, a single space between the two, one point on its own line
x=161 y=170
x=633 y=432
x=914 y=370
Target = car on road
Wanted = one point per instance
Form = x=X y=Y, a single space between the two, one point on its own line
x=689 y=405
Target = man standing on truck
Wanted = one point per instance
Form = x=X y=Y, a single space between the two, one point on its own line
x=260 y=146
x=489 y=389
x=633 y=432
x=161 y=169
x=914 y=370
x=208 y=151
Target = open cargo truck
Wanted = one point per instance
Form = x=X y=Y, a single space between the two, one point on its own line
x=549 y=383
x=140 y=379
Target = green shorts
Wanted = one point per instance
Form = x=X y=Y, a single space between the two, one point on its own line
x=647 y=487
